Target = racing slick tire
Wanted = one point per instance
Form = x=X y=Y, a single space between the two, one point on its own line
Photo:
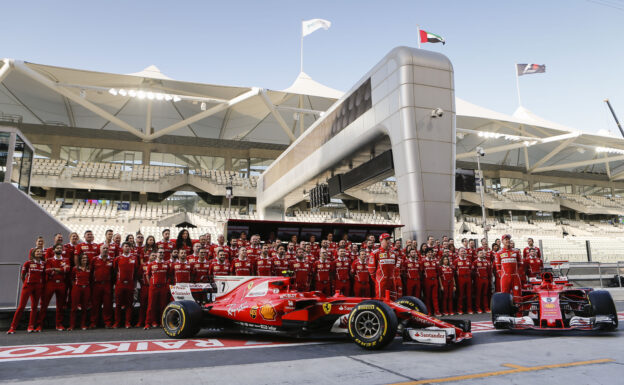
x=182 y=319
x=602 y=304
x=502 y=305
x=372 y=325
x=413 y=303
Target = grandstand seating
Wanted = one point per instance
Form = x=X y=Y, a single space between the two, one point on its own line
x=153 y=173
x=383 y=187
x=49 y=167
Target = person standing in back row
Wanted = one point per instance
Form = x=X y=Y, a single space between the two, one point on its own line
x=126 y=271
x=56 y=270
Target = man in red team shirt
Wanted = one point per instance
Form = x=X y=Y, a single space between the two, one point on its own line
x=221 y=244
x=314 y=246
x=323 y=272
x=482 y=271
x=200 y=271
x=49 y=252
x=381 y=265
x=113 y=248
x=167 y=244
x=254 y=249
x=126 y=268
x=88 y=247
x=412 y=275
x=342 y=270
x=361 y=276
x=264 y=264
x=158 y=274
x=302 y=271
x=280 y=262
x=219 y=265
x=56 y=270
x=101 y=293
x=430 y=281
x=181 y=269
x=531 y=245
x=507 y=261
x=332 y=246
x=32 y=275
x=533 y=264
x=242 y=266
x=463 y=268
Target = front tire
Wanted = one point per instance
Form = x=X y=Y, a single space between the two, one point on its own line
x=182 y=319
x=413 y=303
x=602 y=304
x=372 y=325
x=502 y=305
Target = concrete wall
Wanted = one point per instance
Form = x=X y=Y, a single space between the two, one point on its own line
x=21 y=221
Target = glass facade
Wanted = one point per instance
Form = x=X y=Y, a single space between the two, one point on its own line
x=4 y=153
x=17 y=151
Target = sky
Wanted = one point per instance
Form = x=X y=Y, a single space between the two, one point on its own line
x=257 y=43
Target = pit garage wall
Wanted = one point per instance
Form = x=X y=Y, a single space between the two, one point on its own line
x=407 y=85
x=21 y=221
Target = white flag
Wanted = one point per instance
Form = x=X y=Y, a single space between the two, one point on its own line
x=309 y=26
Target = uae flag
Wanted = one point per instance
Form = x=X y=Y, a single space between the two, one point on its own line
x=428 y=37
x=528 y=69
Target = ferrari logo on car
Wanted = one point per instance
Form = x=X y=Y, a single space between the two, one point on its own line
x=250 y=286
x=327 y=308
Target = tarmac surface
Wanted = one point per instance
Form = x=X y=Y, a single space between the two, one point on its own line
x=131 y=356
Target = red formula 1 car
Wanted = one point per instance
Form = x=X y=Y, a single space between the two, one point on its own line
x=549 y=302
x=269 y=305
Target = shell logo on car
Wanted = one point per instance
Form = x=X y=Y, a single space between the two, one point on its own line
x=268 y=312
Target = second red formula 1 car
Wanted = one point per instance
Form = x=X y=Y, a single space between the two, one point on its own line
x=269 y=305
x=550 y=303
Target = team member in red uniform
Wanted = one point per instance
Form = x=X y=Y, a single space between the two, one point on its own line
x=181 y=270
x=102 y=288
x=140 y=247
x=184 y=241
x=144 y=289
x=166 y=244
x=222 y=244
x=81 y=291
x=412 y=275
x=381 y=265
x=49 y=252
x=531 y=245
x=254 y=249
x=243 y=241
x=471 y=252
x=158 y=274
x=264 y=264
x=200 y=270
x=507 y=261
x=342 y=269
x=233 y=248
x=482 y=272
x=446 y=276
x=90 y=248
x=56 y=271
x=361 y=276
x=126 y=268
x=242 y=266
x=280 y=263
x=323 y=273
x=463 y=269
x=70 y=247
x=314 y=246
x=220 y=265
x=193 y=257
x=147 y=250
x=353 y=252
x=399 y=270
x=290 y=251
x=39 y=244
x=32 y=275
x=302 y=271
x=430 y=281
x=332 y=246
x=113 y=248
x=533 y=264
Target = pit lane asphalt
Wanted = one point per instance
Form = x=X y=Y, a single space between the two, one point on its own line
x=398 y=362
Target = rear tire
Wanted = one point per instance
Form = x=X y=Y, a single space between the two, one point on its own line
x=182 y=319
x=372 y=325
x=502 y=305
x=602 y=304
x=413 y=303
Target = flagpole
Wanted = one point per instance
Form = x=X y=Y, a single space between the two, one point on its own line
x=301 y=53
x=418 y=35
x=517 y=85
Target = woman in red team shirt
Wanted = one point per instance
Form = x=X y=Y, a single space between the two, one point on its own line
x=184 y=241
x=447 y=285
x=32 y=276
x=81 y=289
x=149 y=248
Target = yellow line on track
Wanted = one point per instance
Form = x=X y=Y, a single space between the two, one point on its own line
x=516 y=369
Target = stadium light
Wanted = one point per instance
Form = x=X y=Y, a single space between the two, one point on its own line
x=609 y=150
x=149 y=95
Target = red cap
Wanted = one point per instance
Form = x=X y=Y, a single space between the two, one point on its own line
x=506 y=236
x=384 y=236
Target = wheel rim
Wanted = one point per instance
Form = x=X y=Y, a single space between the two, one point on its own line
x=368 y=324
x=173 y=319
